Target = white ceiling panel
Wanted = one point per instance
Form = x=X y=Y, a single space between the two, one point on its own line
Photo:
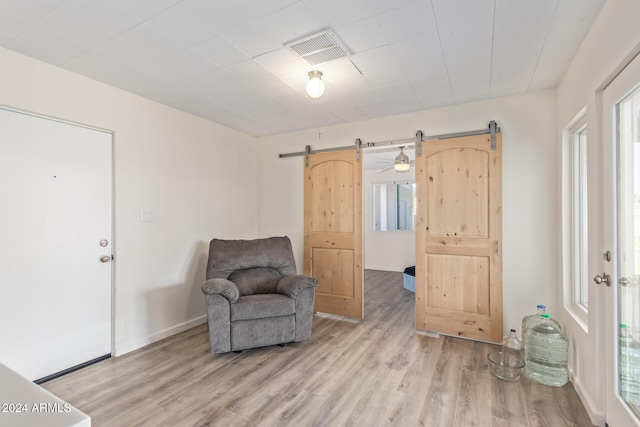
x=381 y=6
x=469 y=65
x=98 y=67
x=512 y=74
x=273 y=31
x=144 y=9
x=197 y=16
x=48 y=47
x=377 y=110
x=434 y=96
x=420 y=59
x=524 y=17
x=518 y=44
x=407 y=21
x=226 y=60
x=362 y=35
x=549 y=68
x=281 y=62
x=457 y=35
x=67 y=27
x=100 y=16
x=339 y=13
x=138 y=46
x=340 y=72
x=449 y=12
x=396 y=92
x=471 y=92
x=379 y=67
x=351 y=115
x=249 y=71
x=220 y=51
x=179 y=66
x=18 y=15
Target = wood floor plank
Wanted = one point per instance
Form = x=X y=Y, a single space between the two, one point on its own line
x=439 y=408
x=507 y=402
x=474 y=399
x=542 y=407
x=567 y=400
x=378 y=371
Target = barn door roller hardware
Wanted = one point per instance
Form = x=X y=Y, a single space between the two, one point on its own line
x=418 y=140
x=492 y=129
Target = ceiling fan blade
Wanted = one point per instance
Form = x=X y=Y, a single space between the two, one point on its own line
x=385 y=169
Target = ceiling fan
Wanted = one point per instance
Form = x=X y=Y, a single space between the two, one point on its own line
x=401 y=163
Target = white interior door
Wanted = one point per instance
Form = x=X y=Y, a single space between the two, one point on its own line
x=621 y=190
x=55 y=187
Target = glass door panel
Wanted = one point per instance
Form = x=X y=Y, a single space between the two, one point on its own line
x=627 y=121
x=619 y=166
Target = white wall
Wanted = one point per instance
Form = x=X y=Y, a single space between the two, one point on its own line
x=530 y=174
x=610 y=44
x=198 y=178
x=392 y=250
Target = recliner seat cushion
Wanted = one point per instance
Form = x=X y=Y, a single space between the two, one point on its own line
x=261 y=306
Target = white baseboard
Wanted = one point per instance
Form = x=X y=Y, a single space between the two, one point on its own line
x=140 y=342
x=596 y=416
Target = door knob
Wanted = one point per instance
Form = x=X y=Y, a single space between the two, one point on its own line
x=605 y=278
x=105 y=258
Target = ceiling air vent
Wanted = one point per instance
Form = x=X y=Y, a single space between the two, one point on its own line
x=319 y=48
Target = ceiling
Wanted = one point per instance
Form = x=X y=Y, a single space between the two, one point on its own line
x=226 y=60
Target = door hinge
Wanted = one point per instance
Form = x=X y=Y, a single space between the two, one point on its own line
x=358 y=146
x=419 y=143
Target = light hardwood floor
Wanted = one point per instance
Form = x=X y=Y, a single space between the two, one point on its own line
x=375 y=372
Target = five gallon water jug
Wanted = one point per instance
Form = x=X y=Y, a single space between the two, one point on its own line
x=629 y=366
x=546 y=353
x=528 y=321
x=512 y=345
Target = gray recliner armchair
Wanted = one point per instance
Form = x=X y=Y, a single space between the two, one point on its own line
x=254 y=297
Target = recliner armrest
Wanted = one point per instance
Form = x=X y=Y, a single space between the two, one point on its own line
x=291 y=286
x=223 y=287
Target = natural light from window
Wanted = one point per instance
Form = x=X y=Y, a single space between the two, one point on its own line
x=577 y=153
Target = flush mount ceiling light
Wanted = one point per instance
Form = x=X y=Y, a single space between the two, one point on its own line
x=315 y=85
x=401 y=162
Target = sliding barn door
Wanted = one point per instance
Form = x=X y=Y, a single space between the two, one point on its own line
x=333 y=231
x=458 y=237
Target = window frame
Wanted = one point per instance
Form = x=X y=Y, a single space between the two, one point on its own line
x=575 y=218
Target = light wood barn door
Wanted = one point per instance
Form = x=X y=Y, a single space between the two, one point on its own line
x=333 y=232
x=459 y=237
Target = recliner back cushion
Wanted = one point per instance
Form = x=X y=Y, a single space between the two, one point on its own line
x=256 y=280
x=227 y=256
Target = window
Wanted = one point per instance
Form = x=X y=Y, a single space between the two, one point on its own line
x=394 y=206
x=575 y=219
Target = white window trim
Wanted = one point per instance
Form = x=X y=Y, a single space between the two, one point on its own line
x=573 y=231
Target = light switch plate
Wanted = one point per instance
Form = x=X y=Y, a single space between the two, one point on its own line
x=146 y=215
